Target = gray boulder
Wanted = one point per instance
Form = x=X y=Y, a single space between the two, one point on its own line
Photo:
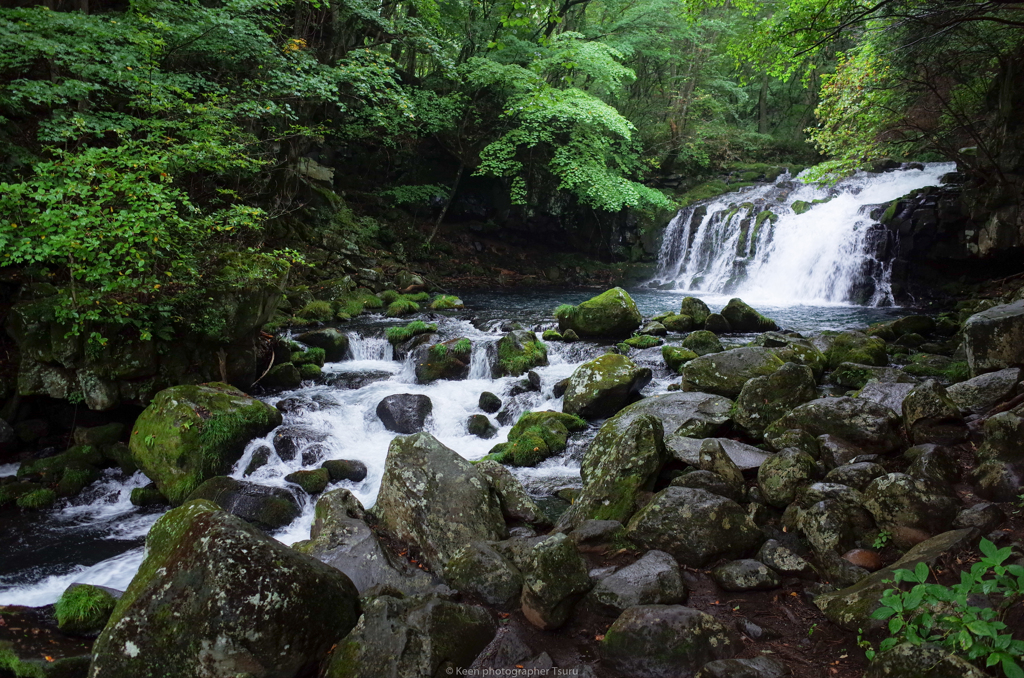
x=725 y=373
x=852 y=375
x=404 y=412
x=433 y=498
x=268 y=508
x=762 y=400
x=603 y=386
x=652 y=580
x=921 y=661
x=860 y=422
x=745 y=575
x=994 y=339
x=481 y=571
x=785 y=561
x=898 y=500
x=554 y=579
x=999 y=474
x=985 y=391
x=857 y=476
x=887 y=395
x=755 y=667
x=333 y=341
x=516 y=504
x=783 y=474
x=930 y=416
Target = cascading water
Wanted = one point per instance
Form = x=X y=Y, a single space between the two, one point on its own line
x=760 y=244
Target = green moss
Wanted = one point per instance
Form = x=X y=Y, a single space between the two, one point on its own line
x=537 y=436
x=890 y=212
x=9 y=661
x=448 y=360
x=52 y=468
x=316 y=310
x=310 y=372
x=419 y=296
x=643 y=341
x=551 y=335
x=529 y=449
x=957 y=371
x=12 y=491
x=445 y=301
x=565 y=311
x=519 y=352
x=400 y=307
x=389 y=297
x=83 y=608
x=75 y=479
x=312 y=356
x=399 y=335
x=623 y=500
x=704 y=191
x=39 y=499
x=676 y=356
x=370 y=300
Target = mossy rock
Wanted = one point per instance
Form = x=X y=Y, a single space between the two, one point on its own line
x=551 y=335
x=537 y=436
x=310 y=372
x=37 y=500
x=610 y=314
x=929 y=365
x=677 y=322
x=83 y=609
x=11 y=492
x=400 y=335
x=643 y=341
x=676 y=356
x=447 y=360
x=855 y=347
x=717 y=324
x=283 y=376
x=603 y=386
x=725 y=373
x=762 y=400
x=332 y=341
x=743 y=318
x=702 y=342
x=268 y=508
x=52 y=468
x=696 y=309
x=311 y=482
x=518 y=352
x=191 y=433
x=75 y=479
x=312 y=356
x=147 y=496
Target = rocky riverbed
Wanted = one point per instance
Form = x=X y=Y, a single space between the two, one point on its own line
x=608 y=492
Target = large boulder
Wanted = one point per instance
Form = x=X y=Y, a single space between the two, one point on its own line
x=793 y=348
x=404 y=412
x=999 y=475
x=447 y=360
x=745 y=575
x=189 y=434
x=622 y=461
x=743 y=318
x=333 y=341
x=610 y=314
x=653 y=580
x=931 y=416
x=690 y=415
x=921 y=661
x=516 y=504
x=886 y=394
x=694 y=526
x=853 y=375
x=665 y=641
x=603 y=386
x=702 y=342
x=898 y=500
x=851 y=347
x=268 y=508
x=481 y=571
x=985 y=391
x=537 y=436
x=519 y=351
x=726 y=372
x=436 y=500
x=216 y=597
x=858 y=421
x=745 y=457
x=554 y=579
x=782 y=475
x=696 y=309
x=763 y=400
x=412 y=636
x=994 y=339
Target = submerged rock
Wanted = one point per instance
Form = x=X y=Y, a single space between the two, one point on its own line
x=610 y=314
x=603 y=386
x=214 y=596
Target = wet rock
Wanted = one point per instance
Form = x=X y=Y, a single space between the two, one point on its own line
x=763 y=400
x=560 y=387
x=930 y=416
x=412 y=636
x=852 y=375
x=745 y=575
x=785 y=561
x=717 y=324
x=83 y=610
x=480 y=571
x=519 y=351
x=742 y=318
x=516 y=504
x=621 y=462
x=860 y=422
x=480 y=426
x=866 y=558
x=295 y=441
x=652 y=580
x=189 y=434
x=676 y=322
x=535 y=437
x=702 y=342
x=792 y=348
x=356 y=380
x=448 y=360
x=610 y=314
x=333 y=341
x=283 y=376
x=148 y=496
x=603 y=386
x=274 y=612
x=108 y=434
x=896 y=499
x=694 y=526
x=851 y=347
x=311 y=482
x=999 y=474
x=836 y=452
x=595 y=534
x=756 y=667
x=857 y=476
x=851 y=608
x=404 y=412
x=696 y=309
x=833 y=525
x=726 y=372
x=985 y=391
x=555 y=578
x=489 y=402
x=295 y=404
x=782 y=474
x=887 y=395
x=345 y=469
x=994 y=338
x=433 y=498
x=268 y=508
x=921 y=661
x=934 y=463
x=654 y=329
x=665 y=641
x=676 y=356
x=683 y=415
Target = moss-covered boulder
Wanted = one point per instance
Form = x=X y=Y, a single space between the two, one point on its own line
x=743 y=318
x=83 y=609
x=762 y=400
x=643 y=341
x=312 y=482
x=434 y=499
x=851 y=347
x=447 y=360
x=622 y=461
x=480 y=426
x=931 y=416
x=694 y=526
x=981 y=393
x=898 y=500
x=332 y=341
x=676 y=322
x=783 y=474
x=717 y=324
x=554 y=579
x=665 y=641
x=921 y=661
x=516 y=504
x=282 y=376
x=192 y=433
x=725 y=373
x=603 y=386
x=994 y=338
x=412 y=636
x=696 y=309
x=482 y=572
x=860 y=422
x=792 y=348
x=268 y=508
x=537 y=436
x=745 y=575
x=214 y=596
x=702 y=342
x=999 y=475
x=610 y=314
x=676 y=356
x=852 y=375
x=53 y=469
x=519 y=351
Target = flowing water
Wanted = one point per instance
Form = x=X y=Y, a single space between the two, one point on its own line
x=795 y=274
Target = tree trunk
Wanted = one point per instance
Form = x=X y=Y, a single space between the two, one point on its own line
x=762 y=107
x=448 y=202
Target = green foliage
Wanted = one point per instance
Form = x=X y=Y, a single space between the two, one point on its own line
x=9 y=661
x=39 y=499
x=83 y=607
x=316 y=310
x=389 y=297
x=309 y=371
x=565 y=312
x=957 y=371
x=882 y=540
x=944 y=615
x=423 y=194
x=445 y=301
x=401 y=306
x=643 y=341
x=398 y=335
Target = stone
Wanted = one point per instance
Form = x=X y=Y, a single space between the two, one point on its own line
x=107 y=434
x=857 y=476
x=489 y=402
x=683 y=416
x=537 y=436
x=714 y=458
x=745 y=575
x=763 y=400
x=299 y=441
x=887 y=395
x=726 y=372
x=516 y=504
x=852 y=375
x=480 y=571
x=999 y=474
x=702 y=342
x=412 y=636
x=921 y=661
x=851 y=347
x=785 y=561
x=595 y=534
x=985 y=391
x=717 y=324
x=603 y=386
x=480 y=426
x=678 y=323
x=622 y=461
x=994 y=338
x=404 y=412
x=345 y=469
x=696 y=309
x=83 y=610
x=434 y=499
x=983 y=517
x=554 y=578
x=742 y=318
x=833 y=526
x=755 y=667
x=933 y=463
x=611 y=314
x=792 y=348
x=850 y=608
x=189 y=434
x=712 y=482
x=896 y=499
x=448 y=360
x=930 y=416
x=835 y=452
x=653 y=580
x=665 y=641
x=333 y=341
x=268 y=508
x=676 y=356
x=694 y=526
x=654 y=329
x=781 y=475
x=866 y=558
x=860 y=422
x=283 y=376
x=519 y=351
x=270 y=612
x=147 y=496
x=311 y=482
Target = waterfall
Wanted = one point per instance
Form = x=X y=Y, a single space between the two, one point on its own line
x=791 y=243
x=480 y=360
x=369 y=348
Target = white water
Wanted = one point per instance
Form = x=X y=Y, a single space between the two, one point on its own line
x=826 y=255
